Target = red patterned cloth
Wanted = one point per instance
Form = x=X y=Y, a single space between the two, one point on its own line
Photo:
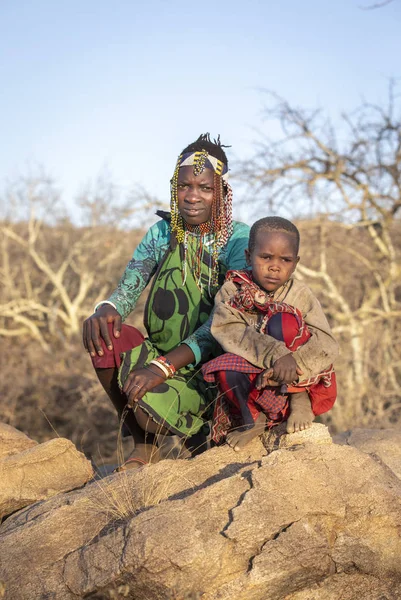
x=229 y=410
x=239 y=402
x=273 y=401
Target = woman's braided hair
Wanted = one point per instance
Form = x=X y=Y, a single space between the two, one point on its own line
x=220 y=223
x=204 y=142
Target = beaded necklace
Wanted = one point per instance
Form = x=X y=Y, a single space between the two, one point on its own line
x=202 y=233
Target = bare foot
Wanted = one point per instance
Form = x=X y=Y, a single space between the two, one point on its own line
x=301 y=415
x=240 y=437
x=143 y=454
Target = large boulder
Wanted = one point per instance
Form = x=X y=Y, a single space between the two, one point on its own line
x=277 y=438
x=304 y=523
x=385 y=444
x=39 y=472
x=13 y=441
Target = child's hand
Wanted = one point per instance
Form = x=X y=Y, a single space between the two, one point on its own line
x=286 y=370
x=264 y=379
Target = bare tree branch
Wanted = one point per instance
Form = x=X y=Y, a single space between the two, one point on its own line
x=345 y=183
x=376 y=5
x=48 y=274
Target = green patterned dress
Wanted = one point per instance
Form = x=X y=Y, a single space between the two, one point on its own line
x=176 y=313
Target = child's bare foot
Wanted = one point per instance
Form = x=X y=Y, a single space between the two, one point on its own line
x=301 y=415
x=240 y=437
x=143 y=454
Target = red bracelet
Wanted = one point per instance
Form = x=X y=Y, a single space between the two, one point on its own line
x=168 y=364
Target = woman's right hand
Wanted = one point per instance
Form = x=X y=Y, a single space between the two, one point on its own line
x=95 y=327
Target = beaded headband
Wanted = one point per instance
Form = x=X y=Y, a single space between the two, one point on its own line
x=202 y=160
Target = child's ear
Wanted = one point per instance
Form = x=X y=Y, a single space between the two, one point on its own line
x=247 y=256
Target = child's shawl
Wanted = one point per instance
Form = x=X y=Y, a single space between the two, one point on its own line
x=249 y=297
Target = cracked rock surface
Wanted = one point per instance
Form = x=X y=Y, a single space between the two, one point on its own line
x=30 y=472
x=312 y=522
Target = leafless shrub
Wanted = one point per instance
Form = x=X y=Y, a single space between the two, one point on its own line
x=50 y=275
x=52 y=272
x=348 y=183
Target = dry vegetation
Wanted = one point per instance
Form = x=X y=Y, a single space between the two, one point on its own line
x=351 y=179
x=52 y=273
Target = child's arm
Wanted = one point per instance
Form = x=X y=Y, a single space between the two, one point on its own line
x=238 y=334
x=321 y=350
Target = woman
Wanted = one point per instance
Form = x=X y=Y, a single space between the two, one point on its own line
x=187 y=253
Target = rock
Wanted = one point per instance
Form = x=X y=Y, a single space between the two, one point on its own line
x=324 y=517
x=277 y=437
x=349 y=586
x=51 y=530
x=383 y=443
x=13 y=441
x=40 y=472
x=315 y=521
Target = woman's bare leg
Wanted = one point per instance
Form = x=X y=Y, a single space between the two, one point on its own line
x=143 y=429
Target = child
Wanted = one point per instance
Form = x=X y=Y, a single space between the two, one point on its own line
x=278 y=342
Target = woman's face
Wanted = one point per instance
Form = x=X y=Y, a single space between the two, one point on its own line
x=195 y=195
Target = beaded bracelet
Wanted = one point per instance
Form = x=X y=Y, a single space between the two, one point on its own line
x=102 y=303
x=167 y=363
x=161 y=366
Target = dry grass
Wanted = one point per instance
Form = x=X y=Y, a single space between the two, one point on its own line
x=120 y=499
x=123 y=496
x=123 y=591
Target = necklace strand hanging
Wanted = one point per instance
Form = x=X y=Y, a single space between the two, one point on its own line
x=196 y=258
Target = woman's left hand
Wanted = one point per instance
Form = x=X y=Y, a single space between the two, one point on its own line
x=140 y=381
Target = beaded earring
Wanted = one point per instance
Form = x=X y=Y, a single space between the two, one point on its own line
x=177 y=224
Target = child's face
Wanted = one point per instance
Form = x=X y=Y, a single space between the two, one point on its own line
x=273 y=259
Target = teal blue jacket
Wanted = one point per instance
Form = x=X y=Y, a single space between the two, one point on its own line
x=145 y=261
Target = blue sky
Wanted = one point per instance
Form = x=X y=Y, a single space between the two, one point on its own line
x=122 y=86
